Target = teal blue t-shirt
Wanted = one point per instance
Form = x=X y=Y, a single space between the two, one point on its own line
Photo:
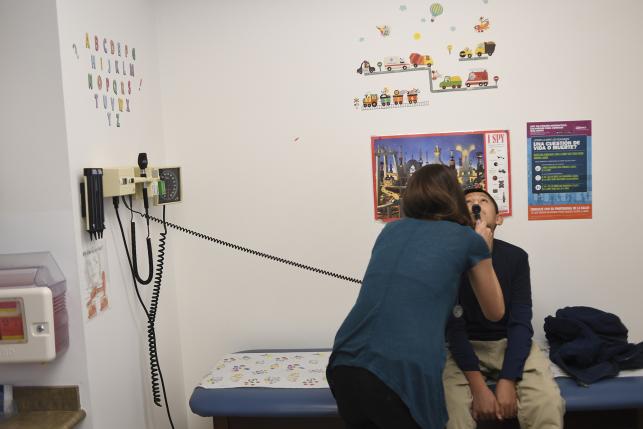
x=396 y=328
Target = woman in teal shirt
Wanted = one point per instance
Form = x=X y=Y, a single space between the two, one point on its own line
x=386 y=367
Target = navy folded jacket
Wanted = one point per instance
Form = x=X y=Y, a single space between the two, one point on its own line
x=590 y=344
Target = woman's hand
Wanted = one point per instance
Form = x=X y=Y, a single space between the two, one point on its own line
x=485 y=232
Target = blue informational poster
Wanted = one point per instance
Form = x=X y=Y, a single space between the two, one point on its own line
x=560 y=170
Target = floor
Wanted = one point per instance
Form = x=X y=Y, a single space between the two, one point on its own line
x=612 y=419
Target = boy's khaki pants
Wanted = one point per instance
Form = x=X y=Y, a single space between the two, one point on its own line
x=540 y=405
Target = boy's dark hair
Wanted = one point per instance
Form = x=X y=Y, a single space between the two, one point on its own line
x=433 y=193
x=482 y=191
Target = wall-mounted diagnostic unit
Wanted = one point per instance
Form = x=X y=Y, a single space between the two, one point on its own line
x=33 y=313
x=162 y=185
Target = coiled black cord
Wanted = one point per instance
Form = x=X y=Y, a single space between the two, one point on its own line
x=253 y=252
x=134 y=263
x=129 y=260
x=151 y=332
x=154 y=363
x=156 y=374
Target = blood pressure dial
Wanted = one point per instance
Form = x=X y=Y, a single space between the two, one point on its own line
x=171 y=177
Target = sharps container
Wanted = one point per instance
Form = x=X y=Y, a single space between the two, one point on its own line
x=33 y=313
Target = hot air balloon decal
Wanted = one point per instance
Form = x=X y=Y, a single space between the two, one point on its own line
x=436 y=9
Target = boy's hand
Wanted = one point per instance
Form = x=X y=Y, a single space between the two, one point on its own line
x=484 y=404
x=506 y=399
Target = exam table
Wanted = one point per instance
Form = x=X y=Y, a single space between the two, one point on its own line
x=288 y=408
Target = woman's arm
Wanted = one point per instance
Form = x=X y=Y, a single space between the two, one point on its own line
x=484 y=281
x=487 y=290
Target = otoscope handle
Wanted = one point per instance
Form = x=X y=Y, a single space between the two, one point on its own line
x=475 y=209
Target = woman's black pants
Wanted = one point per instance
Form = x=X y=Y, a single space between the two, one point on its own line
x=365 y=402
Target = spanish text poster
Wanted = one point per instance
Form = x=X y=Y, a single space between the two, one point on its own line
x=480 y=159
x=560 y=170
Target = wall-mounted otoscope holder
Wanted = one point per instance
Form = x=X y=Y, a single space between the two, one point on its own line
x=163 y=183
x=163 y=187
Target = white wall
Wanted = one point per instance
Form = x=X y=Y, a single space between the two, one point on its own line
x=35 y=197
x=241 y=80
x=116 y=340
x=238 y=83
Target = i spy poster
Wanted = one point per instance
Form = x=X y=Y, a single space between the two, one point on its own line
x=480 y=159
x=560 y=170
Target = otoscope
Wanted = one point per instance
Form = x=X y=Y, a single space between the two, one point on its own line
x=475 y=209
x=142 y=164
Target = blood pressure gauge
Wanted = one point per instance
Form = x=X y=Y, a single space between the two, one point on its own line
x=171 y=177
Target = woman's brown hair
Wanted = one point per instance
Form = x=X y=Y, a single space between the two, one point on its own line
x=433 y=193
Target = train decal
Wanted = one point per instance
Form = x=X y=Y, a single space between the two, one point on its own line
x=388 y=99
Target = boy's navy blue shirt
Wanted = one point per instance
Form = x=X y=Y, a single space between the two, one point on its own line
x=511 y=264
